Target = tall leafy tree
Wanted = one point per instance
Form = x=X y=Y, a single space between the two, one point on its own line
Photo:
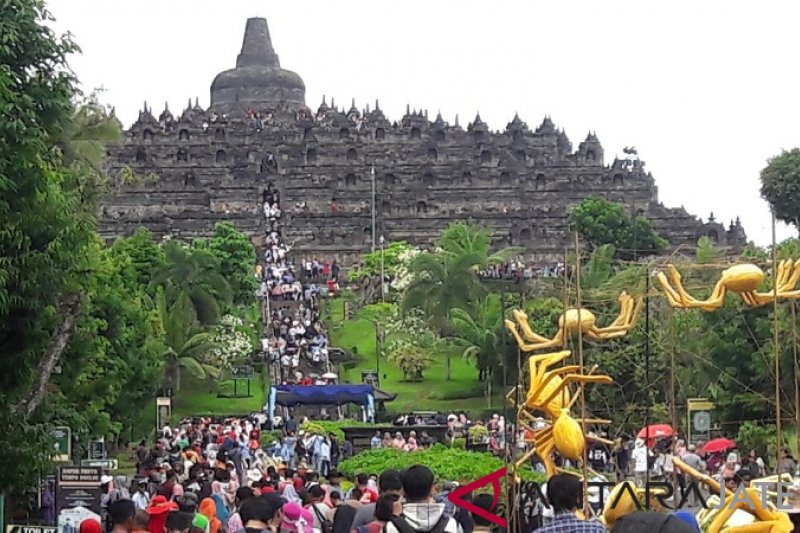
x=780 y=186
x=139 y=257
x=447 y=278
x=45 y=228
x=601 y=222
x=237 y=259
x=186 y=343
x=193 y=274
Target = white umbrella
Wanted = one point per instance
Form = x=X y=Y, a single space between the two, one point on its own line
x=329 y=375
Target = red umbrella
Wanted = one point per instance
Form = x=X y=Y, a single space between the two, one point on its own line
x=719 y=445
x=655 y=431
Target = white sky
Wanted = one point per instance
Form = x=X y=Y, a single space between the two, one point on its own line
x=706 y=90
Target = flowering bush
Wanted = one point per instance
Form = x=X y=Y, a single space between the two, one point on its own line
x=402 y=275
x=232 y=343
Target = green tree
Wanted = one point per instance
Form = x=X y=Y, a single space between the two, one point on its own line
x=237 y=259
x=140 y=256
x=114 y=361
x=193 y=273
x=780 y=186
x=479 y=333
x=447 y=278
x=186 y=344
x=45 y=231
x=601 y=222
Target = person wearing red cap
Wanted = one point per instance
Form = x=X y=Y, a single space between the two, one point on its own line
x=158 y=509
x=90 y=525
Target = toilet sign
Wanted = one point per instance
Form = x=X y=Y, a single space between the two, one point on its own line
x=17 y=528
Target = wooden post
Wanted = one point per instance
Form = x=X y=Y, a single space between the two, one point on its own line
x=778 y=443
x=672 y=400
x=796 y=377
x=580 y=371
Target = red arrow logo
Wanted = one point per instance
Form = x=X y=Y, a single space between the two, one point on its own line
x=494 y=478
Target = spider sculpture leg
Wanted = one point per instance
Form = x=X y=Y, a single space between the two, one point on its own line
x=785 y=283
x=715 y=301
x=547 y=386
x=524 y=328
x=525 y=347
x=778 y=522
x=673 y=298
x=577 y=378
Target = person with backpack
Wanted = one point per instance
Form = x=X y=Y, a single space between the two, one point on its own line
x=420 y=514
x=318 y=509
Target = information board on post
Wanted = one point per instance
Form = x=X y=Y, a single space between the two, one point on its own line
x=77 y=496
x=163 y=411
x=370 y=377
x=62 y=444
x=242 y=372
x=698 y=411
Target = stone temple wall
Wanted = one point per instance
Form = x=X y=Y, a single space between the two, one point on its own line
x=213 y=165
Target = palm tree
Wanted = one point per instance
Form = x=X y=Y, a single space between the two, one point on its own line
x=194 y=274
x=186 y=344
x=480 y=336
x=448 y=278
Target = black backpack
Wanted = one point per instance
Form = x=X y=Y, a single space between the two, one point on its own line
x=404 y=527
x=326 y=526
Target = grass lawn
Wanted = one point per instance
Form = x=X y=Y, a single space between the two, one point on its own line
x=462 y=392
x=199 y=398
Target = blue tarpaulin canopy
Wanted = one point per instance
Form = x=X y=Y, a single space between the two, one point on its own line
x=291 y=395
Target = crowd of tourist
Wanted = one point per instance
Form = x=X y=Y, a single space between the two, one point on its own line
x=295 y=341
x=519 y=270
x=204 y=477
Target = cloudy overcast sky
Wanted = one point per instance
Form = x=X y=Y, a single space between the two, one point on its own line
x=706 y=91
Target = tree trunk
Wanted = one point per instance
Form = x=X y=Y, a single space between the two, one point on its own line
x=69 y=309
x=447 y=366
x=177 y=379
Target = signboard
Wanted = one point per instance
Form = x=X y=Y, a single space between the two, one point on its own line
x=97 y=449
x=62 y=445
x=242 y=372
x=104 y=464
x=698 y=412
x=163 y=411
x=69 y=520
x=370 y=377
x=20 y=528
x=77 y=496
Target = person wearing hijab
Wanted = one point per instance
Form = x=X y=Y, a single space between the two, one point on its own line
x=219 y=500
x=208 y=508
x=90 y=525
x=411 y=443
x=296 y=519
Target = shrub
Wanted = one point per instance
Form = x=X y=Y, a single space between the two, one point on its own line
x=447 y=464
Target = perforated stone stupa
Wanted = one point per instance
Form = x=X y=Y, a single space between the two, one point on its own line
x=213 y=165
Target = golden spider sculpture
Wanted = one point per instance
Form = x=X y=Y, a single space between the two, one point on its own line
x=741 y=279
x=549 y=393
x=573 y=320
x=766 y=518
